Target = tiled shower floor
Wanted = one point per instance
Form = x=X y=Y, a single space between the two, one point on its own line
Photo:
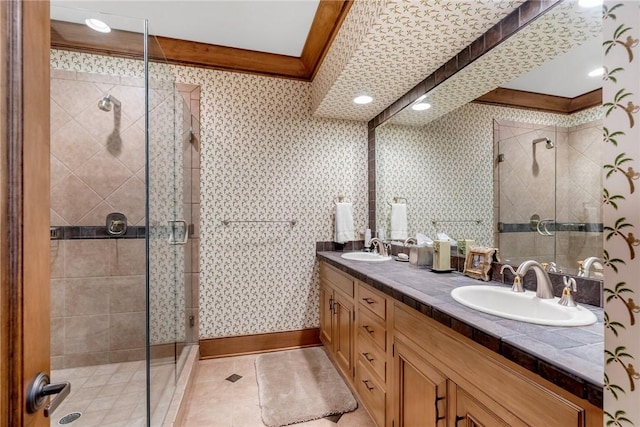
x=217 y=402
x=110 y=395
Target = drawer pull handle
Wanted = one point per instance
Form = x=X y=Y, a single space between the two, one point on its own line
x=369 y=358
x=368 y=329
x=366 y=384
x=438 y=417
x=458 y=419
x=368 y=300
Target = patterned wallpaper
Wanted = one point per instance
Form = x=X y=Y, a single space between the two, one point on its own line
x=557 y=31
x=405 y=41
x=268 y=160
x=445 y=169
x=260 y=162
x=621 y=97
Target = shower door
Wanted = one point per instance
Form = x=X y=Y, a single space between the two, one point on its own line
x=166 y=239
x=526 y=190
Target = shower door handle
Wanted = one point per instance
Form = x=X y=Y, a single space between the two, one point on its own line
x=38 y=391
x=184 y=235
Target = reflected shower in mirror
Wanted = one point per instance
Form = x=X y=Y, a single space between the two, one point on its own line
x=508 y=147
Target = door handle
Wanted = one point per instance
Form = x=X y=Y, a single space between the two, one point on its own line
x=185 y=232
x=38 y=391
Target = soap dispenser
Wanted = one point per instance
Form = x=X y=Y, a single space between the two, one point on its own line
x=441 y=256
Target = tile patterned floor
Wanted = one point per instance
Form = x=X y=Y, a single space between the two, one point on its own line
x=110 y=395
x=217 y=402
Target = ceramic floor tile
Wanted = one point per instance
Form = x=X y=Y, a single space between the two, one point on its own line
x=103 y=396
x=210 y=415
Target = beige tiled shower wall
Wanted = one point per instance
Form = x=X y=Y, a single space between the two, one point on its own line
x=191 y=191
x=97 y=301
x=97 y=167
x=575 y=177
x=580 y=186
x=97 y=157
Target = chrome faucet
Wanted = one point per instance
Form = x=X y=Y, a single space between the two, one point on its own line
x=594 y=262
x=544 y=290
x=383 y=248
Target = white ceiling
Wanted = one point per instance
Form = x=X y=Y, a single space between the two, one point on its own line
x=383 y=48
x=262 y=25
x=566 y=75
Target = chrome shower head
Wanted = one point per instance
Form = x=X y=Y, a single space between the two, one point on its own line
x=548 y=143
x=107 y=102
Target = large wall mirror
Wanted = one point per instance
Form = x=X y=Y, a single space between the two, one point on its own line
x=525 y=180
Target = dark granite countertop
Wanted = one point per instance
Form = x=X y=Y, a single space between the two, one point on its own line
x=570 y=357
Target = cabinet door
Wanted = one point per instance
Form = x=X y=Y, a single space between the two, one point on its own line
x=326 y=315
x=471 y=413
x=421 y=390
x=343 y=333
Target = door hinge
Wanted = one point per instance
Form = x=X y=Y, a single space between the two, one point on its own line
x=393 y=349
x=500 y=158
x=192 y=321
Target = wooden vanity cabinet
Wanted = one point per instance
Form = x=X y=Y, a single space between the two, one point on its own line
x=420 y=389
x=337 y=316
x=372 y=350
x=483 y=388
x=408 y=370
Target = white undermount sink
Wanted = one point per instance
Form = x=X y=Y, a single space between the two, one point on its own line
x=525 y=307
x=365 y=256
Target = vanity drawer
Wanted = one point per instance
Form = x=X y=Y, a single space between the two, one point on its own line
x=371 y=300
x=369 y=325
x=371 y=392
x=337 y=278
x=372 y=356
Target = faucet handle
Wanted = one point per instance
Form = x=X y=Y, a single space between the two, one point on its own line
x=581 y=271
x=570 y=287
x=507 y=266
x=517 y=284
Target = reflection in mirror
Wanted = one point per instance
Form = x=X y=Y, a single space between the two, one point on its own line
x=442 y=160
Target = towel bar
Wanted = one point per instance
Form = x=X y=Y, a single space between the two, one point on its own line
x=435 y=221
x=397 y=200
x=340 y=199
x=291 y=222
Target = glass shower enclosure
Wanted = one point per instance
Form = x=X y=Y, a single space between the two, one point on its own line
x=548 y=187
x=118 y=227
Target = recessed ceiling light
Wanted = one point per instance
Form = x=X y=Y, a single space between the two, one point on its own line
x=421 y=98
x=97 y=25
x=589 y=3
x=362 y=99
x=597 y=72
x=421 y=106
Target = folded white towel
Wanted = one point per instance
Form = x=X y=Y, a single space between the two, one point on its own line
x=399 y=227
x=345 y=231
